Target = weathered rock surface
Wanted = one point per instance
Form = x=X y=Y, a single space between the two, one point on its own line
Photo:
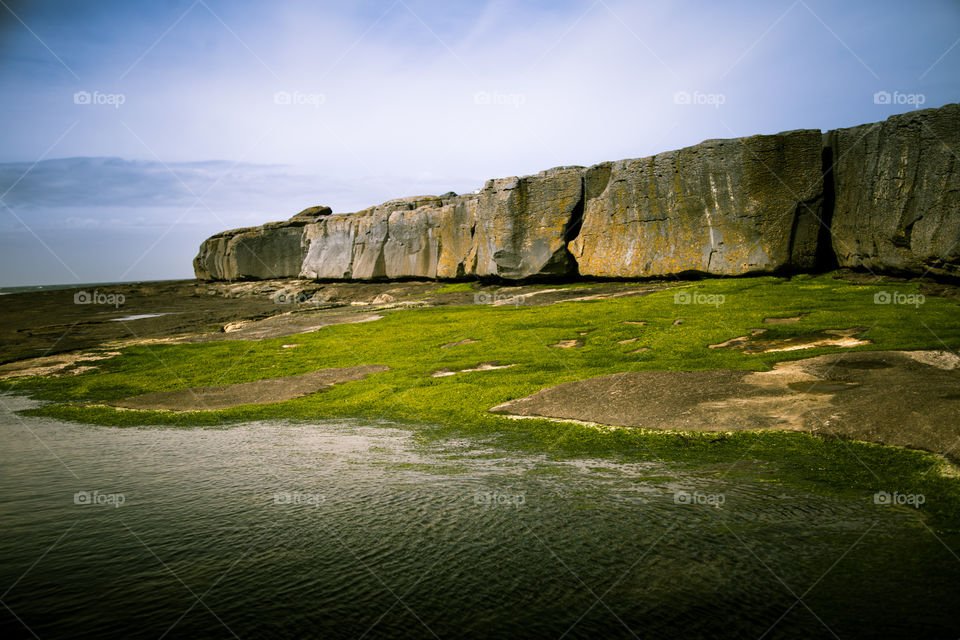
x=723 y=207
x=274 y=250
x=522 y=224
x=265 y=391
x=313 y=213
x=515 y=228
x=841 y=394
x=897 y=186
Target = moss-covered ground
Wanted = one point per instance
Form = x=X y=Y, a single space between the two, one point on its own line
x=409 y=342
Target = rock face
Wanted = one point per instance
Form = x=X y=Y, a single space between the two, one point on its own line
x=397 y=239
x=884 y=197
x=274 y=250
x=515 y=228
x=724 y=207
x=897 y=186
x=312 y=214
x=522 y=225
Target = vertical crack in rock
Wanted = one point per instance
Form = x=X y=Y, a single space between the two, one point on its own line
x=563 y=264
x=826 y=259
x=571 y=231
x=380 y=264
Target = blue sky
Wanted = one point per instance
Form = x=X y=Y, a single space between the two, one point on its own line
x=133 y=130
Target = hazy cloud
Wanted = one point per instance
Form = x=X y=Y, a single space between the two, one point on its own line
x=350 y=104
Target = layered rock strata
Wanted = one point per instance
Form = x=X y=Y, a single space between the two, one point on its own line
x=883 y=197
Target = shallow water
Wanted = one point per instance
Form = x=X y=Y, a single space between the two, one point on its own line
x=345 y=529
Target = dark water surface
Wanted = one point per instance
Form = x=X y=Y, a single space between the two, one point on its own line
x=349 y=530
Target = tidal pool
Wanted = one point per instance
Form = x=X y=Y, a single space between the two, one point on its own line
x=350 y=529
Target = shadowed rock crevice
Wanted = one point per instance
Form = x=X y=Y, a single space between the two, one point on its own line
x=826 y=259
x=572 y=229
x=571 y=232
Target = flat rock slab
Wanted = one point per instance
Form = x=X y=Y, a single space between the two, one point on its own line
x=257 y=392
x=781 y=320
x=283 y=325
x=830 y=338
x=61 y=364
x=909 y=399
x=483 y=366
x=459 y=343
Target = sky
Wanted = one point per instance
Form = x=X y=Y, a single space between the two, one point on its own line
x=132 y=130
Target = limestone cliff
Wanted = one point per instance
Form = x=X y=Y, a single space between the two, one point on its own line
x=725 y=207
x=897 y=186
x=882 y=196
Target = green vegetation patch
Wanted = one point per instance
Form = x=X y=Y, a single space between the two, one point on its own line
x=680 y=323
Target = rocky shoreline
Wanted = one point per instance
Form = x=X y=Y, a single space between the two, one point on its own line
x=638 y=355
x=38 y=326
x=881 y=197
